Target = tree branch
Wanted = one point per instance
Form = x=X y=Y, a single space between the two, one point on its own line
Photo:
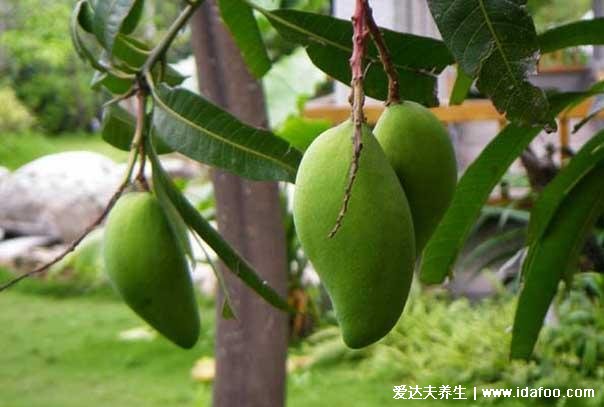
x=394 y=96
x=160 y=50
x=134 y=151
x=357 y=100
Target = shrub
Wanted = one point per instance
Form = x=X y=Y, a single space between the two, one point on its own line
x=14 y=116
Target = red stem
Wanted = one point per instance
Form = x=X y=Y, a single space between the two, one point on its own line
x=394 y=96
x=357 y=100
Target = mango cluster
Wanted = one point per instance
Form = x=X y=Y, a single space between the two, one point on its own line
x=148 y=267
x=405 y=181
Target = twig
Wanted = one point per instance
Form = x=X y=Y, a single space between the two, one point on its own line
x=157 y=54
x=134 y=151
x=73 y=244
x=357 y=99
x=394 y=96
x=139 y=135
x=160 y=50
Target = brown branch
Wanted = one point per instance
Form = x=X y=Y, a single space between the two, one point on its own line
x=394 y=95
x=539 y=171
x=357 y=100
x=73 y=244
x=134 y=151
x=140 y=112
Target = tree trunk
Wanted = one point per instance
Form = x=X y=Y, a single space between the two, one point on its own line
x=250 y=351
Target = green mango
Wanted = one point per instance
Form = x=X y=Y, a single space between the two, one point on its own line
x=367 y=267
x=422 y=155
x=148 y=267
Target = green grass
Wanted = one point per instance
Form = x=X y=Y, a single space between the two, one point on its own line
x=61 y=349
x=19 y=149
x=66 y=352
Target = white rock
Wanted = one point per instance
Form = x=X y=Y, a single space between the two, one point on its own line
x=19 y=247
x=58 y=195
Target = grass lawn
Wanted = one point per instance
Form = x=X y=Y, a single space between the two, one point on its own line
x=60 y=349
x=19 y=149
x=63 y=352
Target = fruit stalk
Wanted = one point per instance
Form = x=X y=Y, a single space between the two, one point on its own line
x=394 y=96
x=357 y=100
x=138 y=141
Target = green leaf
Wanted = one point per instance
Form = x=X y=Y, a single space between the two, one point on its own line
x=227 y=311
x=284 y=97
x=130 y=50
x=177 y=224
x=118 y=128
x=134 y=54
x=202 y=131
x=473 y=191
x=117 y=85
x=74 y=24
x=85 y=16
x=110 y=16
x=134 y=17
x=461 y=88
x=300 y=132
x=552 y=256
x=496 y=42
x=171 y=76
x=79 y=15
x=239 y=18
x=328 y=41
x=587 y=32
x=235 y=263
x=590 y=156
x=501 y=244
x=418 y=87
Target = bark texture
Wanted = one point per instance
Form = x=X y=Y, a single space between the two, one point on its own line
x=250 y=351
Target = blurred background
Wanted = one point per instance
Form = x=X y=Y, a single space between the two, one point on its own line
x=66 y=337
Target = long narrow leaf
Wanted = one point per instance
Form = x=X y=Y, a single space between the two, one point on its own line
x=193 y=126
x=234 y=262
x=177 y=223
x=461 y=88
x=473 y=191
x=80 y=17
x=552 y=257
x=110 y=16
x=239 y=18
x=588 y=32
x=328 y=41
x=590 y=156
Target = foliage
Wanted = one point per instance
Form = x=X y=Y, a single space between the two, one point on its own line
x=493 y=42
x=579 y=336
x=14 y=117
x=436 y=338
x=286 y=98
x=42 y=67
